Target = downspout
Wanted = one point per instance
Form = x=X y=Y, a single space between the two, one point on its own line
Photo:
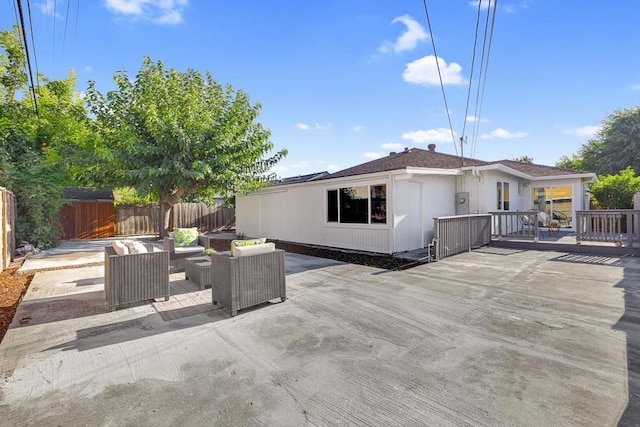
x=478 y=176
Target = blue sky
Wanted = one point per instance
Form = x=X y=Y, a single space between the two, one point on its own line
x=342 y=82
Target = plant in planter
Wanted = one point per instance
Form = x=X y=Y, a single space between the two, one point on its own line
x=554 y=224
x=208 y=252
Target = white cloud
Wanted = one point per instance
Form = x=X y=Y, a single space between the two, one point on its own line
x=500 y=133
x=409 y=39
x=88 y=68
x=333 y=168
x=323 y=127
x=300 y=165
x=474 y=119
x=158 y=11
x=48 y=7
x=485 y=3
x=587 y=131
x=372 y=155
x=427 y=136
x=424 y=71
x=357 y=128
x=302 y=126
x=392 y=146
x=635 y=87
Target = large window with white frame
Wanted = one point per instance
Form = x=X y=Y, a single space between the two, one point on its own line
x=364 y=204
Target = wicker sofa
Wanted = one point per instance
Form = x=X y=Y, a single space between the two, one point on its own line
x=177 y=256
x=246 y=280
x=135 y=277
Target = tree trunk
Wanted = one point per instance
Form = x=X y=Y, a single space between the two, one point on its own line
x=165 y=215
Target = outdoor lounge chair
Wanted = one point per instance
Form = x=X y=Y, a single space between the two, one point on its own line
x=179 y=254
x=252 y=276
x=135 y=277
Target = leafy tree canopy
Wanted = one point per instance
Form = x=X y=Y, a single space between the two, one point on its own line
x=615 y=147
x=173 y=134
x=524 y=159
x=616 y=191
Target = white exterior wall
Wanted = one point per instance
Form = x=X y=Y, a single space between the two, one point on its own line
x=439 y=193
x=298 y=213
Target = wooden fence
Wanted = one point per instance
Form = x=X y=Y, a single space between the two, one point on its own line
x=139 y=220
x=88 y=220
x=8 y=214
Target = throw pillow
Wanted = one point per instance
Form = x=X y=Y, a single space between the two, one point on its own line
x=185 y=237
x=119 y=247
x=248 y=242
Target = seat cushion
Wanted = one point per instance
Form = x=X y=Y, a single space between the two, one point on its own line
x=248 y=242
x=119 y=247
x=254 y=250
x=189 y=249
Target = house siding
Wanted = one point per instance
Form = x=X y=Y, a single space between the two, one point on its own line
x=297 y=213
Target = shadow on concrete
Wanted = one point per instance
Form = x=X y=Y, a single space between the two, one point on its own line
x=629 y=323
x=134 y=329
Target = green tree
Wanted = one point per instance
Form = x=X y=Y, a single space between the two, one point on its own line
x=173 y=134
x=616 y=191
x=524 y=159
x=615 y=147
x=33 y=163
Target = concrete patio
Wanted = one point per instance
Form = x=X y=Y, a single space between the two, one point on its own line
x=492 y=337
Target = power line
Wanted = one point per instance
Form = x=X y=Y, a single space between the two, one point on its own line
x=66 y=21
x=473 y=61
x=26 y=51
x=484 y=82
x=75 y=30
x=435 y=54
x=33 y=44
x=55 y=7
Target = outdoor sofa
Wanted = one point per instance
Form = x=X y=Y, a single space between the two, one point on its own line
x=135 y=275
x=183 y=243
x=250 y=275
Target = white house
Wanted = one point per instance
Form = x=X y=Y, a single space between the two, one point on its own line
x=388 y=205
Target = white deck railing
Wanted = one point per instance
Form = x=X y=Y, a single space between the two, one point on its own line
x=520 y=225
x=619 y=226
x=461 y=233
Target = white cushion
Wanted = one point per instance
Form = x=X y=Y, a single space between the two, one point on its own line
x=189 y=249
x=136 y=248
x=254 y=249
x=119 y=247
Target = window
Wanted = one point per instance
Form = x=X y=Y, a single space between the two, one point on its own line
x=378 y=204
x=503 y=196
x=365 y=204
x=332 y=206
x=557 y=202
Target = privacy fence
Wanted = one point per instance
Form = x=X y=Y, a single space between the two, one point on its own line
x=139 y=220
x=8 y=214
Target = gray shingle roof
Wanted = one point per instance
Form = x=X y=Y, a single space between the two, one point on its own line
x=413 y=157
x=86 y=193
x=536 y=170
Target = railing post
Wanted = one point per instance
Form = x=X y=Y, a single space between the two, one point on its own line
x=629 y=230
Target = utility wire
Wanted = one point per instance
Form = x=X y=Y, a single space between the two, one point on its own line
x=26 y=51
x=55 y=7
x=484 y=82
x=66 y=21
x=476 y=123
x=33 y=44
x=473 y=61
x=444 y=96
x=75 y=30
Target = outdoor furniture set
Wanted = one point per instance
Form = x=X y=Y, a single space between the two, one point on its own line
x=251 y=273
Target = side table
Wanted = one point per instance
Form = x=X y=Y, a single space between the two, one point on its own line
x=198 y=269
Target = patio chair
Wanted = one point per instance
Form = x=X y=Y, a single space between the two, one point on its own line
x=135 y=277
x=253 y=275
x=178 y=253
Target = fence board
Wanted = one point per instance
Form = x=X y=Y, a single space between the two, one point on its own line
x=8 y=214
x=139 y=220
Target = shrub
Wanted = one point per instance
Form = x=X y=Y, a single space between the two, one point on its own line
x=616 y=191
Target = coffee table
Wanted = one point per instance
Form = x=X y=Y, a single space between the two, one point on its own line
x=198 y=270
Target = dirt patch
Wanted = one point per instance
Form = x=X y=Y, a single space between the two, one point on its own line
x=12 y=288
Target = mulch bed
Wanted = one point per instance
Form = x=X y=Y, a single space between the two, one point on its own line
x=12 y=288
